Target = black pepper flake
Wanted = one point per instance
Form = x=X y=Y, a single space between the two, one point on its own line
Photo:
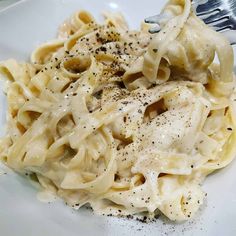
x=155 y=50
x=230 y=129
x=129 y=217
x=192 y=166
x=142 y=220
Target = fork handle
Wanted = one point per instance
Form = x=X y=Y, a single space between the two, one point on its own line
x=231 y=36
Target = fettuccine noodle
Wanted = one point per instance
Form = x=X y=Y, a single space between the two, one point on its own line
x=123 y=120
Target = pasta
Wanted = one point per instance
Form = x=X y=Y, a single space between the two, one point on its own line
x=125 y=121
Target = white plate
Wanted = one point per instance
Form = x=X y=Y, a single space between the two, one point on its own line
x=24 y=26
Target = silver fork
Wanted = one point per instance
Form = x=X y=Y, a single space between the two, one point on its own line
x=219 y=14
